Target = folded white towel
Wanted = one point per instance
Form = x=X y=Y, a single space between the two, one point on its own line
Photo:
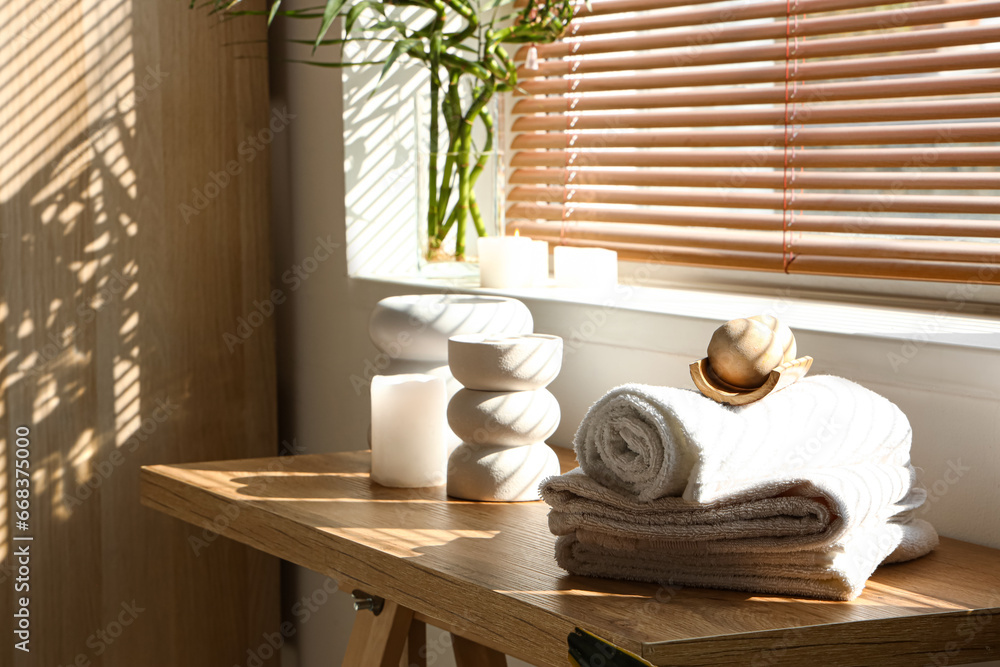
x=659 y=441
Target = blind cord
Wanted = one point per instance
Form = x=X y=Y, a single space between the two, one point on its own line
x=787 y=198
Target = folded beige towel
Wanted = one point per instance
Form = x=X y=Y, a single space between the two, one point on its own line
x=806 y=514
x=785 y=544
x=835 y=573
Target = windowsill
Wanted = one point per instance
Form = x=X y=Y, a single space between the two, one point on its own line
x=941 y=323
x=935 y=347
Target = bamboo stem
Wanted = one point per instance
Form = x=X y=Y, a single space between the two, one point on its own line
x=462 y=207
x=481 y=161
x=452 y=110
x=433 y=218
x=484 y=115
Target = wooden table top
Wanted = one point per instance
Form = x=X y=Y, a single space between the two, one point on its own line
x=487 y=571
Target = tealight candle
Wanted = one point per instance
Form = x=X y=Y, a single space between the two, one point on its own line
x=592 y=268
x=505 y=261
x=408 y=430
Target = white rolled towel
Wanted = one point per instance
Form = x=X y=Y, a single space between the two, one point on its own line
x=654 y=442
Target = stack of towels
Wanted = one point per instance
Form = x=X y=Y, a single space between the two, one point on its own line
x=803 y=493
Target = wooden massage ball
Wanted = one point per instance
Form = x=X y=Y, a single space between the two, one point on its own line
x=743 y=352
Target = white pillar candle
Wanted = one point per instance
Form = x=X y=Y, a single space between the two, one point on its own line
x=592 y=268
x=505 y=261
x=408 y=430
x=539 y=262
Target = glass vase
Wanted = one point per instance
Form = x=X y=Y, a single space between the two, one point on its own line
x=486 y=203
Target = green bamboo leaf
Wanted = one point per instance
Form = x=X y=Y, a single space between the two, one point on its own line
x=213 y=4
x=329 y=16
x=304 y=13
x=336 y=65
x=330 y=42
x=504 y=18
x=401 y=47
x=287 y=13
x=354 y=13
x=385 y=24
x=295 y=13
x=274 y=10
x=428 y=29
x=222 y=6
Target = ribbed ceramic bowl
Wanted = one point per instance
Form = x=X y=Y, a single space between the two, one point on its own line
x=417 y=326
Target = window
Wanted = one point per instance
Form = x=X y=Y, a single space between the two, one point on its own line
x=832 y=137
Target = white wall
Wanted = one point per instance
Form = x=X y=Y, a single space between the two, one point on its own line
x=948 y=389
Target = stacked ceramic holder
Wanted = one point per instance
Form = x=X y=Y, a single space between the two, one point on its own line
x=503 y=415
x=411 y=333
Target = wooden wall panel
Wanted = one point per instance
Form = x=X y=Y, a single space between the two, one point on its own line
x=115 y=115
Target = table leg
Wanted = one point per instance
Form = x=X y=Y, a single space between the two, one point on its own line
x=377 y=641
x=470 y=654
x=415 y=654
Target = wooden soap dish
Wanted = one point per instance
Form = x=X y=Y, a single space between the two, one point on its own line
x=717 y=389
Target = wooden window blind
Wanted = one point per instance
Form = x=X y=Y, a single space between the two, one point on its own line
x=836 y=137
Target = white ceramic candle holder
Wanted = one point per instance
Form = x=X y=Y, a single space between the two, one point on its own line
x=508 y=418
x=505 y=363
x=498 y=473
x=503 y=415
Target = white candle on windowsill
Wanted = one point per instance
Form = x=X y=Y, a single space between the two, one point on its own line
x=591 y=268
x=508 y=261
x=539 y=263
x=408 y=436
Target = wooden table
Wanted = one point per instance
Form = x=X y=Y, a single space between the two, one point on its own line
x=486 y=573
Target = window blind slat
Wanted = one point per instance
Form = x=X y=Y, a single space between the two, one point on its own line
x=605 y=7
x=898 y=269
x=744 y=178
x=983 y=205
x=807 y=136
x=805 y=243
x=522 y=213
x=688 y=16
x=715 y=55
x=719 y=32
x=732 y=76
x=803 y=94
x=775 y=115
x=806 y=158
